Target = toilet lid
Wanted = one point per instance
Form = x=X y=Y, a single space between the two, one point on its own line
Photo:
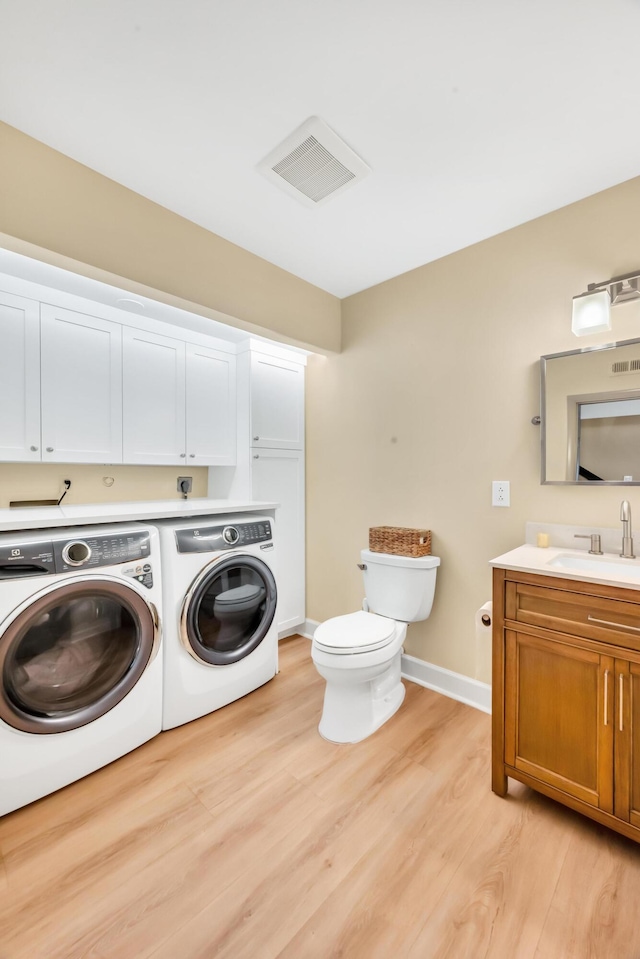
x=239 y=596
x=359 y=632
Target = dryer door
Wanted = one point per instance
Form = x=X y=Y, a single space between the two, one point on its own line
x=72 y=653
x=228 y=610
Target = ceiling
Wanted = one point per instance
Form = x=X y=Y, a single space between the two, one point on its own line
x=474 y=117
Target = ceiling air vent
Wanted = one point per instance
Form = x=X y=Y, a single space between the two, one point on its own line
x=313 y=164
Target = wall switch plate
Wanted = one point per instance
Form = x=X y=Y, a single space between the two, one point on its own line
x=500 y=493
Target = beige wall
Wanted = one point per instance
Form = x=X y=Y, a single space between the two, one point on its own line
x=432 y=398
x=26 y=481
x=107 y=231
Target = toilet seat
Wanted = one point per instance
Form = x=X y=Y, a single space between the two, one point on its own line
x=358 y=632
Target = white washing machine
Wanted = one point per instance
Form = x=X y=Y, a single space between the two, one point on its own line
x=80 y=653
x=219 y=601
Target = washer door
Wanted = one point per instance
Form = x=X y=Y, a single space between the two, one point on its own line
x=228 y=610
x=72 y=653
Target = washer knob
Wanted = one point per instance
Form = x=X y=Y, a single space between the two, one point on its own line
x=230 y=535
x=76 y=553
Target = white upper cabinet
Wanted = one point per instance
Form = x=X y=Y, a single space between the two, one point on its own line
x=211 y=407
x=81 y=360
x=82 y=388
x=277 y=403
x=19 y=379
x=154 y=398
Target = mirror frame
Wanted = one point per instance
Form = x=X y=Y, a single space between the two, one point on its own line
x=543 y=417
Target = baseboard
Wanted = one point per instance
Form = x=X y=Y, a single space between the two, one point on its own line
x=455 y=685
x=306 y=629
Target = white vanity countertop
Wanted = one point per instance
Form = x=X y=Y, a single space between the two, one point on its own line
x=577 y=564
x=43 y=517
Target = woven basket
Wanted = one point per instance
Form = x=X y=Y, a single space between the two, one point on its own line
x=400 y=541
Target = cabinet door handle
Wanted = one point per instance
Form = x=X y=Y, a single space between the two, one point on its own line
x=256 y=456
x=192 y=456
x=256 y=438
x=49 y=449
x=606 y=697
x=34 y=449
x=606 y=622
x=183 y=456
x=621 y=701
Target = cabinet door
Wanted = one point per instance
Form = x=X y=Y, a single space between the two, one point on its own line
x=277 y=403
x=81 y=359
x=278 y=476
x=627 y=744
x=211 y=407
x=154 y=399
x=19 y=379
x=559 y=712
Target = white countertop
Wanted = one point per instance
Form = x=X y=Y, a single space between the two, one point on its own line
x=47 y=517
x=608 y=569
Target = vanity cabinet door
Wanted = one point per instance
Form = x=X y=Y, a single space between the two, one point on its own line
x=559 y=716
x=627 y=732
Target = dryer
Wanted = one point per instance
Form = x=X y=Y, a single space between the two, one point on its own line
x=80 y=653
x=219 y=600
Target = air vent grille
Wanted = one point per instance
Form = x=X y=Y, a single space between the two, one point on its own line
x=313 y=170
x=625 y=366
x=313 y=164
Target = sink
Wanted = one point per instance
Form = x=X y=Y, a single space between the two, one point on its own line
x=596 y=565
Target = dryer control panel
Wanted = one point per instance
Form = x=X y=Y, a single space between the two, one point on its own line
x=213 y=539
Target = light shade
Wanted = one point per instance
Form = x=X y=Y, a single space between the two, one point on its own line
x=591 y=313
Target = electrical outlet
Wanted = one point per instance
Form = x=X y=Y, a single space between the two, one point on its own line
x=500 y=493
x=184 y=484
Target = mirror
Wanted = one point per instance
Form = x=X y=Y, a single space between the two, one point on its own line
x=590 y=415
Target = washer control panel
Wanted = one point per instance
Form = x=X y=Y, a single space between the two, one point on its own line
x=91 y=552
x=212 y=539
x=44 y=556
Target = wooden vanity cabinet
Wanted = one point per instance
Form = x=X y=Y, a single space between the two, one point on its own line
x=566 y=694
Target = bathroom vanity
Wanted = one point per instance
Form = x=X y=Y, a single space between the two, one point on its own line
x=566 y=680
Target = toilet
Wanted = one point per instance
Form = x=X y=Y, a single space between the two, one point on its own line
x=359 y=654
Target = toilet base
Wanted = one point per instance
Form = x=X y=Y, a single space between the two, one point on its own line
x=352 y=711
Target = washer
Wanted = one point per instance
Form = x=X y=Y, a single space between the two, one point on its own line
x=219 y=602
x=80 y=653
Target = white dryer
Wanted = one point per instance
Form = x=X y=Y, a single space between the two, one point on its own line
x=80 y=653
x=220 y=594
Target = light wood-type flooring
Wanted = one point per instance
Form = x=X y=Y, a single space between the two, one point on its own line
x=245 y=835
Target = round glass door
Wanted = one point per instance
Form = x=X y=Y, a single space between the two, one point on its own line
x=72 y=654
x=228 y=610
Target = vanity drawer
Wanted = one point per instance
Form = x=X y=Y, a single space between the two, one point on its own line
x=579 y=614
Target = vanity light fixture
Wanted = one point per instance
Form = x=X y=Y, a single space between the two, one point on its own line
x=591 y=310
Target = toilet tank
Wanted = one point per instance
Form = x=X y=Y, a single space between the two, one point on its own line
x=400 y=587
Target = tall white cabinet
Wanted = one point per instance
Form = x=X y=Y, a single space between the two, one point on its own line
x=271 y=463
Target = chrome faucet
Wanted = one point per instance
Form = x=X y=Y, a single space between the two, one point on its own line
x=627 y=538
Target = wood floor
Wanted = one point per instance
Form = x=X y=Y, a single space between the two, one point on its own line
x=244 y=834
